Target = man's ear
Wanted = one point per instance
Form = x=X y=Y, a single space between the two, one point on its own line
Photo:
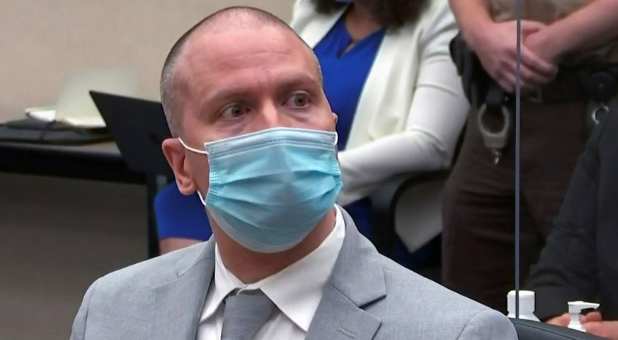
x=177 y=159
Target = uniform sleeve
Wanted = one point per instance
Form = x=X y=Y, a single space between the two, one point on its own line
x=488 y=325
x=567 y=267
x=435 y=119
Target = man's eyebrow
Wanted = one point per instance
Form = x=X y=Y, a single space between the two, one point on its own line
x=226 y=93
x=298 y=80
x=282 y=82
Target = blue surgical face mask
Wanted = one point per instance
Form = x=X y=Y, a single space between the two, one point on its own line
x=269 y=189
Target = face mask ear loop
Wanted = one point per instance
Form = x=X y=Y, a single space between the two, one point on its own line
x=202 y=152
x=336 y=139
x=201 y=198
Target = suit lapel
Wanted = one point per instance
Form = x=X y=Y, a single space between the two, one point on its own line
x=356 y=282
x=179 y=303
x=338 y=318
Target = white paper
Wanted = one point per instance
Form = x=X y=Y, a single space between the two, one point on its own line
x=43 y=113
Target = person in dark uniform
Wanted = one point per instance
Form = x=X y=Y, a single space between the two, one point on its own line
x=562 y=39
x=580 y=259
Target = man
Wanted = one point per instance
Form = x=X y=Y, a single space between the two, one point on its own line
x=579 y=260
x=284 y=261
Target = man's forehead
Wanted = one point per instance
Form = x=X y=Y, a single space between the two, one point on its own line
x=237 y=47
x=243 y=40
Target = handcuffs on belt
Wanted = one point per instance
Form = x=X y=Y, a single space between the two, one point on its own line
x=599 y=83
x=494 y=121
x=601 y=87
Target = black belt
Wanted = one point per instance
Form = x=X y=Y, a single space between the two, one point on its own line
x=566 y=87
x=600 y=83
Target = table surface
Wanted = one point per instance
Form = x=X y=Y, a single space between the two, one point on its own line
x=95 y=161
x=107 y=149
x=103 y=149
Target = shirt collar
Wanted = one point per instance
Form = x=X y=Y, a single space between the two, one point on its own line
x=224 y=283
x=297 y=289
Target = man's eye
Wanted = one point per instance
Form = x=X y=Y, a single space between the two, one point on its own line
x=298 y=100
x=233 y=111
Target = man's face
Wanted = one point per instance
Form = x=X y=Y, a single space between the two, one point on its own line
x=239 y=81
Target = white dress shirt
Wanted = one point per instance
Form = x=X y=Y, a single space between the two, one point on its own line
x=295 y=290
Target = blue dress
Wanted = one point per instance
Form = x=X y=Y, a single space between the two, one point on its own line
x=344 y=74
x=180 y=216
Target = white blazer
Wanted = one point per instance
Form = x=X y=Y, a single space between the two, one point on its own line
x=412 y=107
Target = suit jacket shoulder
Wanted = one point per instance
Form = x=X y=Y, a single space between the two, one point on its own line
x=151 y=273
x=371 y=297
x=366 y=297
x=416 y=305
x=133 y=302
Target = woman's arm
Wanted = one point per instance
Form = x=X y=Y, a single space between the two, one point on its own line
x=495 y=45
x=473 y=19
x=588 y=27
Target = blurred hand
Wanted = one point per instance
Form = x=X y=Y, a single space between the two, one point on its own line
x=542 y=44
x=497 y=49
x=592 y=316
x=604 y=329
x=594 y=324
x=562 y=320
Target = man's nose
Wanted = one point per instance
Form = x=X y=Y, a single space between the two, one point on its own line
x=271 y=116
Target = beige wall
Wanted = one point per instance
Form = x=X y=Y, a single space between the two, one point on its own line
x=42 y=40
x=61 y=234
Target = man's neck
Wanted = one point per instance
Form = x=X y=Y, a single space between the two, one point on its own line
x=250 y=266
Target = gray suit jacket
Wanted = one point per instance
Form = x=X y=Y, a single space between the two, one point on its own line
x=367 y=297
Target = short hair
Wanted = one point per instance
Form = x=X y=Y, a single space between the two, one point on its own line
x=254 y=15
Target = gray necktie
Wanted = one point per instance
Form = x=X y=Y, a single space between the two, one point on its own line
x=244 y=314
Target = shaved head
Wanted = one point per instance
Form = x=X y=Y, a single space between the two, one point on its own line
x=231 y=18
x=239 y=71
